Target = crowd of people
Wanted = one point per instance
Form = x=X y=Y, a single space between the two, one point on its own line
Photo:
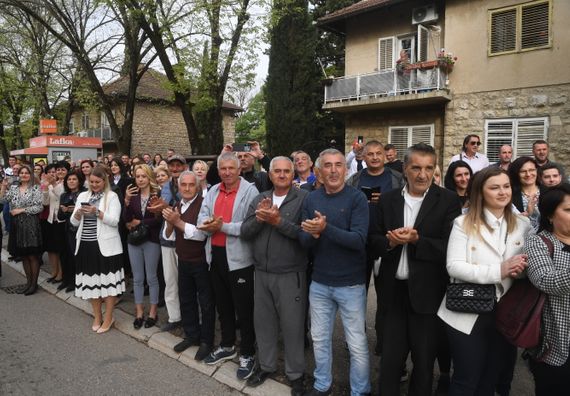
x=279 y=251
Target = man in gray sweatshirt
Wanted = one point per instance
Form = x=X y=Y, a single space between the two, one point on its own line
x=272 y=224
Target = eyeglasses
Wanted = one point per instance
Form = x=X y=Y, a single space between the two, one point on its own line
x=475 y=143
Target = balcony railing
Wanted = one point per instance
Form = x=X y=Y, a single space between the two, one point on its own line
x=103 y=132
x=385 y=83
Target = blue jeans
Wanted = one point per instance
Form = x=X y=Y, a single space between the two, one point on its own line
x=351 y=302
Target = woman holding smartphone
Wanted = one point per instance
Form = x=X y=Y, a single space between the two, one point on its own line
x=144 y=255
x=485 y=247
x=99 y=275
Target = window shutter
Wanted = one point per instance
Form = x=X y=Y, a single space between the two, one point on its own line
x=422 y=134
x=498 y=134
x=519 y=133
x=535 y=32
x=529 y=131
x=503 y=31
x=423 y=43
x=386 y=53
x=399 y=138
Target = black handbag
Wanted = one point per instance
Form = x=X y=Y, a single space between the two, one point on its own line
x=138 y=235
x=470 y=297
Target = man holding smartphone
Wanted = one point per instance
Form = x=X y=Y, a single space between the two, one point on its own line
x=374 y=180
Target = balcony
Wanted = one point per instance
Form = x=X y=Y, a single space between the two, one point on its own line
x=417 y=85
x=103 y=132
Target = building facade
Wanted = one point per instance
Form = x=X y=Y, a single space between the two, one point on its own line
x=437 y=71
x=157 y=125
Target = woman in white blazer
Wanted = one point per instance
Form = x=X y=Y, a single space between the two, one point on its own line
x=485 y=247
x=99 y=264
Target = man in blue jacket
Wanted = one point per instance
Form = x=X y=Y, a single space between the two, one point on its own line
x=335 y=227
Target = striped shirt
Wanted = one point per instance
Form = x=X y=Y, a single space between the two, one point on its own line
x=89 y=232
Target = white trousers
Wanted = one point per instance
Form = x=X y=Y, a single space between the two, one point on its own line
x=170 y=269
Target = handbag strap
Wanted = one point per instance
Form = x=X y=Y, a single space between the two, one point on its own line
x=549 y=245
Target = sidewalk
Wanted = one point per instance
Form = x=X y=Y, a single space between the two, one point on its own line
x=225 y=373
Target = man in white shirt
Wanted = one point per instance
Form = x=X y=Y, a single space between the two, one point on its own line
x=194 y=289
x=470 y=154
x=413 y=226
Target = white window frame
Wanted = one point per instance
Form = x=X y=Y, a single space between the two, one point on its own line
x=390 y=65
x=410 y=136
x=514 y=140
x=85 y=121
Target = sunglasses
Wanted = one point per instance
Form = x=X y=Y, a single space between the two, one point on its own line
x=475 y=143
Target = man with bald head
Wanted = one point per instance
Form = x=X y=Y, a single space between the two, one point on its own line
x=505 y=156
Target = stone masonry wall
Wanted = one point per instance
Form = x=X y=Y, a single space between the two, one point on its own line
x=160 y=127
x=157 y=128
x=467 y=114
x=375 y=124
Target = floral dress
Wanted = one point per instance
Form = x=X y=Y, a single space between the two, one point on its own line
x=26 y=226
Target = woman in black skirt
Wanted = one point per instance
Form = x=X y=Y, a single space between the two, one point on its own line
x=73 y=185
x=25 y=199
x=98 y=250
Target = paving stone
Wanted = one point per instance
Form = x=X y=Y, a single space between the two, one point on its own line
x=226 y=374
x=83 y=305
x=269 y=387
x=164 y=342
x=124 y=323
x=187 y=358
x=63 y=295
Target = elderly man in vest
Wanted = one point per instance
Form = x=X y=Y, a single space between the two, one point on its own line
x=194 y=290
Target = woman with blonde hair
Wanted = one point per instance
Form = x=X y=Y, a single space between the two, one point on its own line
x=99 y=273
x=485 y=248
x=143 y=241
x=200 y=169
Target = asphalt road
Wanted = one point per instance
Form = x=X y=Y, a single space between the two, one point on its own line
x=47 y=347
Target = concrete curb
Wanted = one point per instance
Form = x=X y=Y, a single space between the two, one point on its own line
x=163 y=342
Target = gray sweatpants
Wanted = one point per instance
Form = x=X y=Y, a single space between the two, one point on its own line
x=280 y=302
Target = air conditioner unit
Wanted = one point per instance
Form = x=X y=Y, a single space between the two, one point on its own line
x=424 y=14
x=82 y=134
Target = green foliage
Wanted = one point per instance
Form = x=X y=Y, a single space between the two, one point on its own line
x=292 y=80
x=251 y=125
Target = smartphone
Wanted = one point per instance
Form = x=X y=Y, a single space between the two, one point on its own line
x=360 y=139
x=368 y=191
x=241 y=147
x=85 y=204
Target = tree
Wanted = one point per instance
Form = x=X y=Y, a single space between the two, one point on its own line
x=251 y=125
x=291 y=111
x=91 y=30
x=199 y=58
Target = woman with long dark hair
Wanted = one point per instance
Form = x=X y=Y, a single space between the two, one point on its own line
x=526 y=189
x=73 y=186
x=25 y=199
x=457 y=179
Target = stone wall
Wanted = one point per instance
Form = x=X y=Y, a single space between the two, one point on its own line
x=375 y=124
x=467 y=113
x=160 y=127
x=156 y=128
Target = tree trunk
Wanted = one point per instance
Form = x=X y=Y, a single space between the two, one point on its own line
x=3 y=148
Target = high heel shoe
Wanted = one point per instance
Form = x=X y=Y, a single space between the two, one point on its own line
x=102 y=330
x=96 y=327
x=51 y=280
